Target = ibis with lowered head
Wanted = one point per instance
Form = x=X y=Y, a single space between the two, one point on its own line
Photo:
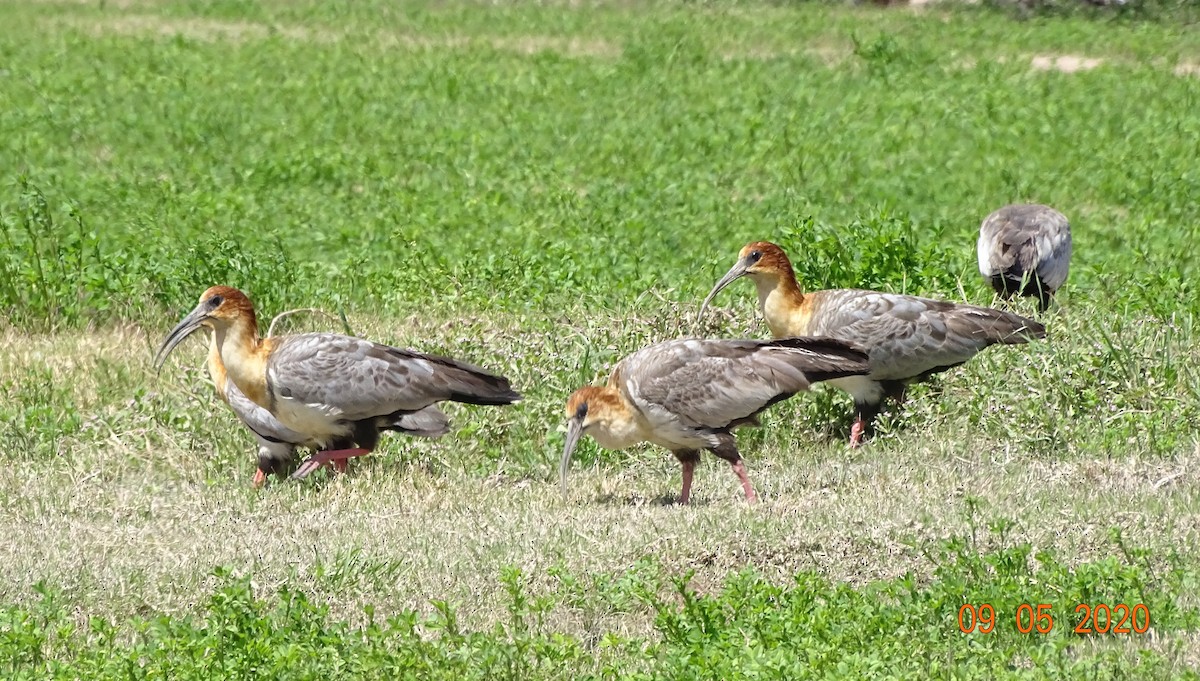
x=689 y=395
x=1025 y=249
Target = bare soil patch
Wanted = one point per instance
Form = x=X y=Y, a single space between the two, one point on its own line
x=1066 y=63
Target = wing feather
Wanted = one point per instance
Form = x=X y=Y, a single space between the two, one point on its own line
x=906 y=336
x=353 y=379
x=713 y=384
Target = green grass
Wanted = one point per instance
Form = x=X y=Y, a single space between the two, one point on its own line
x=542 y=188
x=808 y=628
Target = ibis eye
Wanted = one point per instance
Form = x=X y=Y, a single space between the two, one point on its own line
x=756 y=255
x=582 y=411
x=215 y=302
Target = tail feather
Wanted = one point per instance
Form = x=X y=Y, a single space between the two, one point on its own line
x=468 y=383
x=1013 y=329
x=479 y=387
x=496 y=399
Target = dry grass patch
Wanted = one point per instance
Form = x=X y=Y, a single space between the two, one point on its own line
x=113 y=4
x=1187 y=69
x=207 y=30
x=127 y=526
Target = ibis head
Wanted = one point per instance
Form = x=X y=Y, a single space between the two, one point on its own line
x=762 y=261
x=220 y=308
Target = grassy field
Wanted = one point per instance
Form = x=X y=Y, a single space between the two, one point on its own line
x=542 y=188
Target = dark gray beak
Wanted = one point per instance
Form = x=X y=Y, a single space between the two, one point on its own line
x=185 y=328
x=738 y=271
x=574 y=432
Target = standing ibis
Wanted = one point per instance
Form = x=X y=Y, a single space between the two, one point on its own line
x=1025 y=249
x=907 y=338
x=334 y=391
x=277 y=443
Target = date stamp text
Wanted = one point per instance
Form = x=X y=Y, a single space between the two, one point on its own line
x=1097 y=619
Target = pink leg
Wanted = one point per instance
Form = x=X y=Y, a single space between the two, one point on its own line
x=689 y=469
x=856 y=432
x=336 y=458
x=739 y=469
x=260 y=478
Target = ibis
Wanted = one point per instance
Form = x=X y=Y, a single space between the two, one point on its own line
x=1025 y=249
x=689 y=395
x=908 y=339
x=334 y=391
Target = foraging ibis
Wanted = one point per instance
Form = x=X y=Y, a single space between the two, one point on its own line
x=688 y=395
x=333 y=390
x=277 y=443
x=1025 y=249
x=908 y=338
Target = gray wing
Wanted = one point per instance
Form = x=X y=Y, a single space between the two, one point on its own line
x=1021 y=239
x=719 y=383
x=906 y=336
x=265 y=426
x=356 y=379
x=276 y=442
x=1053 y=248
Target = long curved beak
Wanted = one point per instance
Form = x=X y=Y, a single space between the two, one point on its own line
x=574 y=432
x=736 y=272
x=182 y=330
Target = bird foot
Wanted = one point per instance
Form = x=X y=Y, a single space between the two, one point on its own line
x=689 y=469
x=856 y=433
x=260 y=479
x=336 y=458
x=739 y=469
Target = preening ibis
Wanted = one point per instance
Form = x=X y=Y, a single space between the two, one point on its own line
x=1025 y=249
x=688 y=395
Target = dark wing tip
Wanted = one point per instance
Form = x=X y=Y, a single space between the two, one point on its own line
x=1036 y=329
x=834 y=358
x=496 y=397
x=1019 y=330
x=511 y=397
x=835 y=347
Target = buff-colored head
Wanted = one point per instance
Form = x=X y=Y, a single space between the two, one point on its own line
x=226 y=304
x=588 y=407
x=220 y=307
x=763 y=258
x=758 y=260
